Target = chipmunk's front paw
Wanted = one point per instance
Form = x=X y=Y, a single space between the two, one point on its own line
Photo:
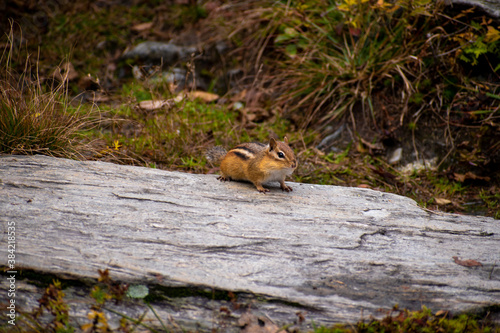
x=223 y=179
x=285 y=187
x=262 y=189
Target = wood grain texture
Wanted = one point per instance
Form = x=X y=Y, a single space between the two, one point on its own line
x=335 y=251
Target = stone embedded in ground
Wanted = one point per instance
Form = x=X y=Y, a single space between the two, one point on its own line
x=166 y=53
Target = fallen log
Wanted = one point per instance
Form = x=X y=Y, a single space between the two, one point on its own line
x=335 y=254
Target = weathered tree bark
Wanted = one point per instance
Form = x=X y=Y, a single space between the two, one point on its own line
x=492 y=7
x=336 y=253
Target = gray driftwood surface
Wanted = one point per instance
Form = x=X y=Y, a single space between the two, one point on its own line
x=492 y=7
x=337 y=254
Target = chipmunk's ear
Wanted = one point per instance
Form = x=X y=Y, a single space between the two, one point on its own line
x=272 y=144
x=285 y=140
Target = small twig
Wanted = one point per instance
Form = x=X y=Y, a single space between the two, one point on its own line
x=433 y=211
x=455 y=49
x=444 y=158
x=263 y=45
x=257 y=76
x=415 y=145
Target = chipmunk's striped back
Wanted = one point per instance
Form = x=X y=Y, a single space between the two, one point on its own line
x=247 y=151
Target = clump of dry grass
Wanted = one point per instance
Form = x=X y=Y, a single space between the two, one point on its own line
x=37 y=118
x=336 y=55
x=330 y=59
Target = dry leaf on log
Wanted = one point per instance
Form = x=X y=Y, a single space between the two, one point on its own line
x=467 y=263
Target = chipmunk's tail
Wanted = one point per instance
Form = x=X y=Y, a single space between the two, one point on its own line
x=215 y=155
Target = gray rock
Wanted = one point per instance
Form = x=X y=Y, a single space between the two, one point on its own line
x=334 y=253
x=153 y=52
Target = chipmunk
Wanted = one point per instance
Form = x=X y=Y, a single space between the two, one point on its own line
x=256 y=162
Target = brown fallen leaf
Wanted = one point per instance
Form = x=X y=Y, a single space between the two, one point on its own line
x=441 y=313
x=142 y=26
x=469 y=175
x=442 y=201
x=203 y=95
x=155 y=104
x=467 y=263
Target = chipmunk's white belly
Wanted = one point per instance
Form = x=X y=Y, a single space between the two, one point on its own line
x=278 y=175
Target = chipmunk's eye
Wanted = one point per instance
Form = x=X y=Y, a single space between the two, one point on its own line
x=281 y=155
